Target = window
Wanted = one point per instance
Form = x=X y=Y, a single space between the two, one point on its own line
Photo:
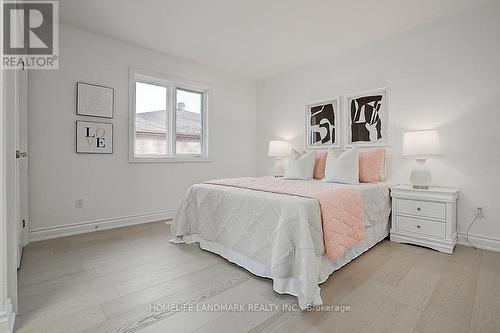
x=188 y=121
x=150 y=119
x=168 y=119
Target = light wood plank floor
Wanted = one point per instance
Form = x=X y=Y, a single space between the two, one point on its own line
x=108 y=280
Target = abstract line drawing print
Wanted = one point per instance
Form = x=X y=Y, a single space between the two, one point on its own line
x=322 y=119
x=367 y=118
x=366 y=124
x=323 y=124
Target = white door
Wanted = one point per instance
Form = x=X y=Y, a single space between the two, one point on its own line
x=17 y=110
x=22 y=161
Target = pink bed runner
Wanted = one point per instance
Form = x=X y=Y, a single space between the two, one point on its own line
x=341 y=207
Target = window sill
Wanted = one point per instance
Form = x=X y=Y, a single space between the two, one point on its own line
x=170 y=160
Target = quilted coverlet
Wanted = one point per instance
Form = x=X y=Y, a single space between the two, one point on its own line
x=273 y=235
x=341 y=207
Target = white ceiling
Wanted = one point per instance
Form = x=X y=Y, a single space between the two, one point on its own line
x=255 y=38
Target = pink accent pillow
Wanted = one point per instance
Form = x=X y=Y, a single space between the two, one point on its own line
x=370 y=164
x=319 y=166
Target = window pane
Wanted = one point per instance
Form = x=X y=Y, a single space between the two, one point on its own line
x=150 y=119
x=189 y=112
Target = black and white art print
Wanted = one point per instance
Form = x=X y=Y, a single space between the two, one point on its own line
x=323 y=123
x=94 y=137
x=367 y=116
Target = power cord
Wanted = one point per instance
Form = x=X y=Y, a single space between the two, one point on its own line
x=468 y=230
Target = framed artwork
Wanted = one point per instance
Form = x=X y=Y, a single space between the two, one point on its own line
x=94 y=100
x=367 y=118
x=94 y=137
x=323 y=123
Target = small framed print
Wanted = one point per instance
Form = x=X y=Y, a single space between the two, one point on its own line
x=94 y=137
x=94 y=100
x=323 y=123
x=367 y=118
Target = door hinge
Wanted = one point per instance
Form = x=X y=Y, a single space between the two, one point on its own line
x=19 y=154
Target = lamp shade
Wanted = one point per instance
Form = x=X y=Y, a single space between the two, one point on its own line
x=278 y=149
x=421 y=143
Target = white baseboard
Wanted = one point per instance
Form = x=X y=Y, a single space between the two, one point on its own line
x=481 y=242
x=85 y=227
x=7 y=318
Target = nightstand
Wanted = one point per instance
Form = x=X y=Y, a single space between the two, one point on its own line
x=425 y=217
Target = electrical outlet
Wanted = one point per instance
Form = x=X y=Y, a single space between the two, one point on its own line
x=480 y=210
x=80 y=203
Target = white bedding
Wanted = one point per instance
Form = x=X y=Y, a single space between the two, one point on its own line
x=274 y=235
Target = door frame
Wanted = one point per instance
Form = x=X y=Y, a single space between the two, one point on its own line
x=8 y=271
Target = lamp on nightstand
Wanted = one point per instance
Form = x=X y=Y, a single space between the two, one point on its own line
x=278 y=149
x=421 y=144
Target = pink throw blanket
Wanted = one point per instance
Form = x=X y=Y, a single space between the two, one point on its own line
x=341 y=207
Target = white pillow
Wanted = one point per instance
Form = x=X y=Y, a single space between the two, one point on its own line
x=300 y=165
x=343 y=168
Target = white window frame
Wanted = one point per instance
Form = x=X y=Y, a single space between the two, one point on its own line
x=171 y=83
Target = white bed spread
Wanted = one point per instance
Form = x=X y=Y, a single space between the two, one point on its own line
x=274 y=235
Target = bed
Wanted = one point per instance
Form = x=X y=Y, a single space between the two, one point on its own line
x=275 y=235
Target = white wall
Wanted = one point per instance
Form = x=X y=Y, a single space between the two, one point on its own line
x=110 y=185
x=445 y=75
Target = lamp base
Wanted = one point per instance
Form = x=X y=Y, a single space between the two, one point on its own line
x=279 y=168
x=421 y=176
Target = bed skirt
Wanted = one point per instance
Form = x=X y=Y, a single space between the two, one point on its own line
x=374 y=234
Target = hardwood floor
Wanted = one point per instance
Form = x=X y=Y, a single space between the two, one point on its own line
x=108 y=281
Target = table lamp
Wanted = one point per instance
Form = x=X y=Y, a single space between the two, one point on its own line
x=278 y=149
x=421 y=144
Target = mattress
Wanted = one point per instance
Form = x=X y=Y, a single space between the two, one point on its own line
x=277 y=236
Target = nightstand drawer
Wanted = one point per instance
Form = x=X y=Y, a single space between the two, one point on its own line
x=419 y=226
x=434 y=210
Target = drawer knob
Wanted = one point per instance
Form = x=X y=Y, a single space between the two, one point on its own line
x=418 y=208
x=418 y=227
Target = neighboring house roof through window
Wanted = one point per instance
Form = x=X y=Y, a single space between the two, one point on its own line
x=188 y=123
